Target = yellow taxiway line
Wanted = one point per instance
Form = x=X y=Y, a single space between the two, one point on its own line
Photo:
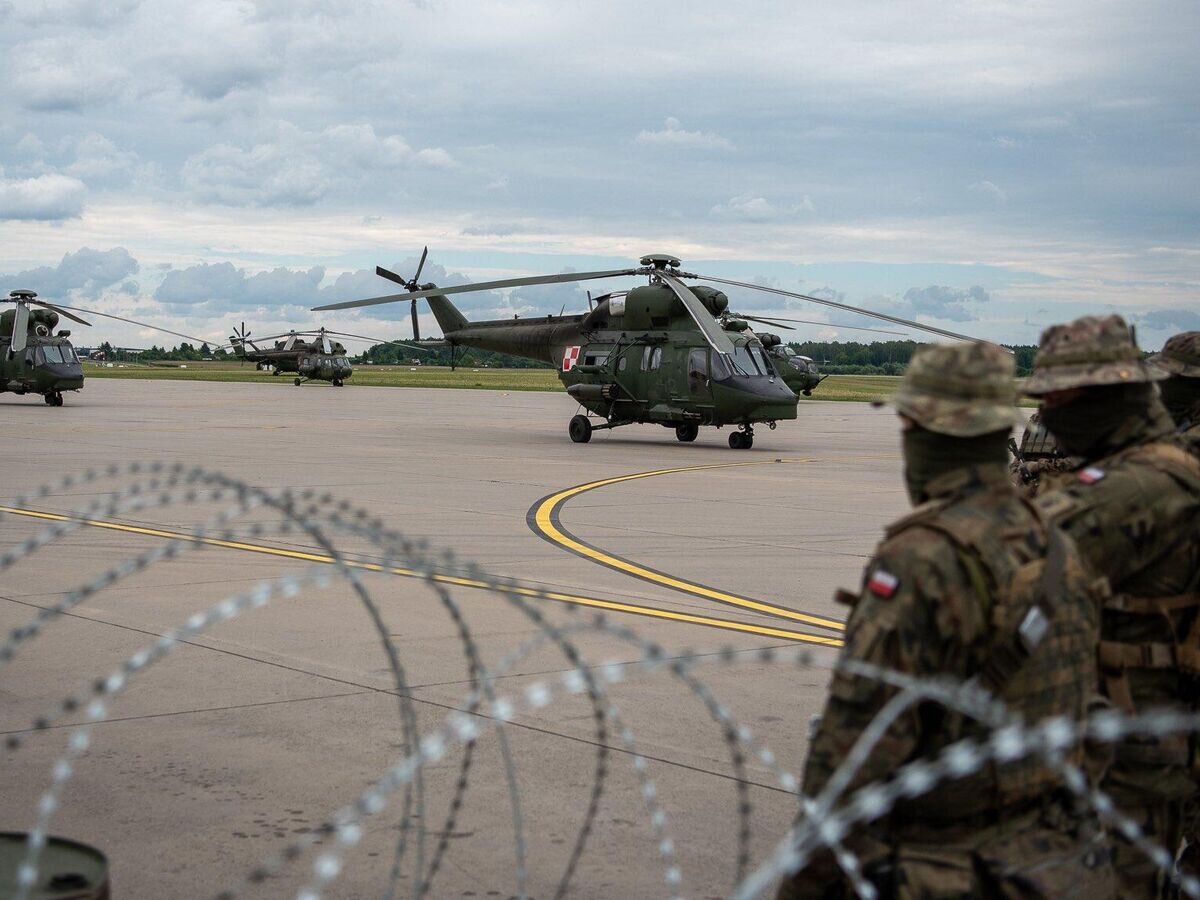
x=543 y=518
x=453 y=580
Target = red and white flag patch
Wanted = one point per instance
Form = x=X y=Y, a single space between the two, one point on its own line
x=1090 y=475
x=570 y=358
x=883 y=583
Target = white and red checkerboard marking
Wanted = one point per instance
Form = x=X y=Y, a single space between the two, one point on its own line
x=883 y=584
x=1090 y=475
x=570 y=358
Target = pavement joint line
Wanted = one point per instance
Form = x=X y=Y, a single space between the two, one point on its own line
x=544 y=519
x=425 y=701
x=452 y=580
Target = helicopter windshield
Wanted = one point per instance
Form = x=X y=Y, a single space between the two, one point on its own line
x=750 y=359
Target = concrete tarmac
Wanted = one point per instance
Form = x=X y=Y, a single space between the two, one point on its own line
x=248 y=737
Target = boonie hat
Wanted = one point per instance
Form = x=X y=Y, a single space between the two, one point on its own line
x=1090 y=352
x=963 y=390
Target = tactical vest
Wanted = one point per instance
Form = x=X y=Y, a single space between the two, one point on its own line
x=1039 y=656
x=1119 y=655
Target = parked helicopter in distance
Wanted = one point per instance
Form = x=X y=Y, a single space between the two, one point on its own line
x=35 y=360
x=319 y=359
x=659 y=353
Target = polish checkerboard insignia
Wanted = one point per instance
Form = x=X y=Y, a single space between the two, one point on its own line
x=882 y=583
x=570 y=358
x=1090 y=475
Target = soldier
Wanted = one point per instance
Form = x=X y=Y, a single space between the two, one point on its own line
x=1180 y=357
x=971 y=584
x=1131 y=511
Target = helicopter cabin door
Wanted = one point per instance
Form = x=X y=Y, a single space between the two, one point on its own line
x=699 y=386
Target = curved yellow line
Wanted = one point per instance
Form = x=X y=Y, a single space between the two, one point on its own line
x=479 y=584
x=544 y=519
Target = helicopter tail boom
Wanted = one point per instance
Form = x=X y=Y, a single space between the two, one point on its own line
x=446 y=313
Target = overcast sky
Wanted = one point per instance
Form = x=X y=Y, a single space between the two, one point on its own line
x=991 y=167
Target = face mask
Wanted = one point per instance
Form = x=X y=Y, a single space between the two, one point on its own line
x=928 y=454
x=1081 y=426
x=1181 y=396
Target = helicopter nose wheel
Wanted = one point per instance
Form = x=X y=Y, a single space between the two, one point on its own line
x=53 y=398
x=741 y=440
x=687 y=432
x=337 y=382
x=580 y=429
x=296 y=382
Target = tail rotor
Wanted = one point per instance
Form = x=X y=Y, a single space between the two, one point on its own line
x=411 y=284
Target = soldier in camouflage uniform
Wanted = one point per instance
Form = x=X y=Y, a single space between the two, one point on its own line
x=1180 y=357
x=971 y=584
x=1131 y=511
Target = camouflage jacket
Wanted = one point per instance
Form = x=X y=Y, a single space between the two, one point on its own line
x=1133 y=516
x=946 y=595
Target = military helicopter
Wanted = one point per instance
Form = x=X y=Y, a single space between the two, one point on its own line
x=659 y=353
x=34 y=359
x=318 y=359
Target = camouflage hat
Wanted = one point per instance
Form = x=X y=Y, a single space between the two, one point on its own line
x=1180 y=355
x=1089 y=352
x=963 y=390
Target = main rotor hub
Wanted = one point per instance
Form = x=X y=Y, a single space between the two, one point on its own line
x=21 y=295
x=660 y=261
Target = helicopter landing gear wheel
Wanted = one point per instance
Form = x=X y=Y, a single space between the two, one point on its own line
x=580 y=429
x=687 y=432
x=49 y=398
x=741 y=440
x=337 y=382
x=296 y=382
x=58 y=398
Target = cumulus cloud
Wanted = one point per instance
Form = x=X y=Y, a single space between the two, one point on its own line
x=264 y=175
x=98 y=157
x=745 y=208
x=673 y=134
x=1170 y=320
x=86 y=271
x=222 y=286
x=83 y=13
x=946 y=302
x=61 y=75
x=299 y=168
x=50 y=197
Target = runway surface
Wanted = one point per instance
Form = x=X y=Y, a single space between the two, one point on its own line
x=257 y=731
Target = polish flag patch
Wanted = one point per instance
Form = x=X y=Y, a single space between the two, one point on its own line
x=883 y=583
x=570 y=358
x=1091 y=475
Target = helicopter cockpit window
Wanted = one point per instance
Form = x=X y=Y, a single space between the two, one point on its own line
x=52 y=353
x=760 y=356
x=744 y=362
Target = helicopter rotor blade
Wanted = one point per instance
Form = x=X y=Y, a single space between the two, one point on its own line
x=713 y=333
x=390 y=276
x=20 y=329
x=421 y=265
x=95 y=312
x=62 y=311
x=932 y=329
x=565 y=278
x=764 y=321
x=778 y=320
x=416 y=322
x=365 y=337
x=325 y=346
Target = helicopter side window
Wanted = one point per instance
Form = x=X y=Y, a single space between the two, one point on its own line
x=651 y=358
x=595 y=359
x=31 y=357
x=697 y=367
x=720 y=369
x=621 y=364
